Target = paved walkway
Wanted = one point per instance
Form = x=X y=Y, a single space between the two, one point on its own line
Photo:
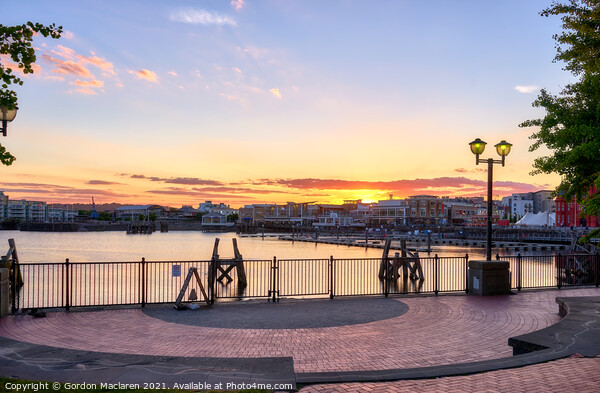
x=415 y=332
x=573 y=374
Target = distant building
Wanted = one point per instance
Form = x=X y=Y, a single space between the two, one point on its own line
x=426 y=209
x=543 y=202
x=134 y=211
x=568 y=214
x=221 y=208
x=517 y=205
x=390 y=211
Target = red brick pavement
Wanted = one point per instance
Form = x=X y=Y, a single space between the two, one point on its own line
x=435 y=330
x=574 y=374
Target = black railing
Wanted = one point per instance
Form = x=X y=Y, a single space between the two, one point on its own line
x=78 y=284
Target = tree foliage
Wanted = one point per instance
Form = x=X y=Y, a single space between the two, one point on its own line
x=570 y=128
x=16 y=44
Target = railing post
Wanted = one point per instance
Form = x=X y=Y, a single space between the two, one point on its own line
x=67 y=285
x=13 y=286
x=558 y=272
x=274 y=281
x=331 y=273
x=143 y=282
x=436 y=288
x=519 y=271
x=386 y=280
x=467 y=273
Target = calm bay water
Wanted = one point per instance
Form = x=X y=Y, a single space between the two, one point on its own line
x=186 y=245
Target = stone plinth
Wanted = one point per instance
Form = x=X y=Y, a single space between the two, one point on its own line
x=489 y=278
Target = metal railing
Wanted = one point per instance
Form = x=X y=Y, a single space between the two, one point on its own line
x=79 y=284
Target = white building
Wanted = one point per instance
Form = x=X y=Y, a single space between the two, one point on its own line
x=221 y=208
x=133 y=212
x=389 y=210
x=518 y=205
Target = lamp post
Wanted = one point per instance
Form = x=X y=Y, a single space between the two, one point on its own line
x=7 y=114
x=503 y=149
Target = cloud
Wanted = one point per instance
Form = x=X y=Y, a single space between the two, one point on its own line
x=92 y=83
x=56 y=191
x=237 y=4
x=67 y=35
x=276 y=93
x=527 y=89
x=173 y=73
x=148 y=75
x=68 y=67
x=99 y=62
x=237 y=70
x=72 y=57
x=435 y=186
x=192 y=181
x=473 y=170
x=201 y=17
x=102 y=183
x=85 y=91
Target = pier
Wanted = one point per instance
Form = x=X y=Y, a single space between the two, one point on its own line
x=421 y=244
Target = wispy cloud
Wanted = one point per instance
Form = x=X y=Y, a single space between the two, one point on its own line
x=276 y=93
x=237 y=4
x=178 y=180
x=173 y=73
x=144 y=74
x=201 y=17
x=68 y=67
x=434 y=186
x=527 y=89
x=102 y=183
x=92 y=83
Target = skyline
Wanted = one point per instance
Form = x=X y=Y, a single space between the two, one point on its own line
x=267 y=101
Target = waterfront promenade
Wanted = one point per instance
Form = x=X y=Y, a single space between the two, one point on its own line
x=303 y=341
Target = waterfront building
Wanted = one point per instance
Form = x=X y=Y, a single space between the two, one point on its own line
x=291 y=212
x=3 y=206
x=133 y=212
x=61 y=215
x=568 y=214
x=426 y=209
x=390 y=211
x=221 y=208
x=543 y=202
x=517 y=205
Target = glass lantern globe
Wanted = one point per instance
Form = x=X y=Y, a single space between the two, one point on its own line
x=477 y=146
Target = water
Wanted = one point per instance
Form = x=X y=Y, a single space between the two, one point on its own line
x=188 y=245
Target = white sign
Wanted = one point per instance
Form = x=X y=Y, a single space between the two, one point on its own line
x=176 y=271
x=475 y=282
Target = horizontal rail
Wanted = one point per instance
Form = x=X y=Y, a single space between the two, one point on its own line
x=81 y=284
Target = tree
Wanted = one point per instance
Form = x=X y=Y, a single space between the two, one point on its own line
x=15 y=42
x=233 y=217
x=571 y=127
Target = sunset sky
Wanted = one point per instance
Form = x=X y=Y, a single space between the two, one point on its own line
x=248 y=101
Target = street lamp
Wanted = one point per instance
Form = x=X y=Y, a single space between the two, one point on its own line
x=7 y=114
x=503 y=149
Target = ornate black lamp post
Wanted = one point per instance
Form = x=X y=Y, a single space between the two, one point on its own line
x=503 y=149
x=6 y=114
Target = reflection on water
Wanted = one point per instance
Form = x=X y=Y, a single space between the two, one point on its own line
x=189 y=245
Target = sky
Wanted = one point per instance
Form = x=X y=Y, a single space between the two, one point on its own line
x=273 y=101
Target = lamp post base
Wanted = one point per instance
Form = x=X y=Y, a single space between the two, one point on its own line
x=489 y=278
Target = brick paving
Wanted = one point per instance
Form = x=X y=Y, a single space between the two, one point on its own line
x=573 y=374
x=434 y=331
